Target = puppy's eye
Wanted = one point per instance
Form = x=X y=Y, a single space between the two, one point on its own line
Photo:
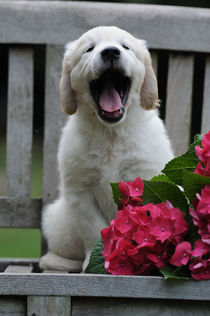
x=126 y=47
x=90 y=49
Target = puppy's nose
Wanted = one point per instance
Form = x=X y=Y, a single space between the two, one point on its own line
x=110 y=53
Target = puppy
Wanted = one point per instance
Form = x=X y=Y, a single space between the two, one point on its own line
x=113 y=133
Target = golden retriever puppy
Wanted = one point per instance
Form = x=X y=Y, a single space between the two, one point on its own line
x=113 y=133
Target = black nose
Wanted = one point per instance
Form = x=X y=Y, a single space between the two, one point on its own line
x=110 y=53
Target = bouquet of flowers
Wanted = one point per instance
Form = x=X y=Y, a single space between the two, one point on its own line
x=162 y=225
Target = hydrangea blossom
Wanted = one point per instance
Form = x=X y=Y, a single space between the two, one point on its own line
x=142 y=239
x=203 y=167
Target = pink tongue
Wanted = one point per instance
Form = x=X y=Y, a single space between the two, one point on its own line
x=110 y=100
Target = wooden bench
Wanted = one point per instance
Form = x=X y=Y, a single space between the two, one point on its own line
x=179 y=41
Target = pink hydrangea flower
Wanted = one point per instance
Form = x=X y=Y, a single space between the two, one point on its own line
x=142 y=239
x=200 y=269
x=182 y=254
x=203 y=167
x=131 y=192
x=200 y=249
x=201 y=214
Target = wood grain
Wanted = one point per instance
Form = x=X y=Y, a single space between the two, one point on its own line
x=20 y=213
x=19 y=121
x=54 y=121
x=205 y=124
x=102 y=286
x=12 y=306
x=18 y=269
x=114 y=306
x=164 y=27
x=49 y=305
x=179 y=101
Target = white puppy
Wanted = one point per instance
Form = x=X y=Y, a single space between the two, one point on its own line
x=113 y=133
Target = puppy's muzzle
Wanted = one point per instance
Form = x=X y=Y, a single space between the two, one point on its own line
x=110 y=54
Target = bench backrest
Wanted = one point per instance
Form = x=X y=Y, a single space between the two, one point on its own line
x=179 y=41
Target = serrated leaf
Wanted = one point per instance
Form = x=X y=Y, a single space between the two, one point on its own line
x=174 y=168
x=159 y=192
x=161 y=178
x=96 y=262
x=115 y=192
x=193 y=183
x=175 y=273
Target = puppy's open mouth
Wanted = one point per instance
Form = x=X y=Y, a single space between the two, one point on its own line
x=110 y=92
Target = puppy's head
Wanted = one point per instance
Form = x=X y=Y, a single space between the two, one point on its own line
x=106 y=71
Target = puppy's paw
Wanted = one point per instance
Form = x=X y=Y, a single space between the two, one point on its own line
x=52 y=261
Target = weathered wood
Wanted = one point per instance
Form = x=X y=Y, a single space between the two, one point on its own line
x=100 y=286
x=55 y=271
x=54 y=120
x=18 y=269
x=164 y=27
x=48 y=306
x=4 y=262
x=12 y=306
x=19 y=121
x=135 y=307
x=154 y=56
x=20 y=213
x=179 y=101
x=205 y=124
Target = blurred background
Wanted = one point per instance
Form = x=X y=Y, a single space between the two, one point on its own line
x=26 y=242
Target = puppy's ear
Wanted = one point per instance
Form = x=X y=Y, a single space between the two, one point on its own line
x=67 y=95
x=149 y=90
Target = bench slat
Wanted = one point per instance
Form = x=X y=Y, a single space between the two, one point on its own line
x=205 y=124
x=179 y=100
x=18 y=269
x=54 y=120
x=53 y=22
x=135 y=307
x=20 y=213
x=49 y=305
x=102 y=286
x=154 y=57
x=4 y=262
x=12 y=306
x=19 y=121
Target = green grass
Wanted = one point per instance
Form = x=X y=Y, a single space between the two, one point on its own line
x=22 y=243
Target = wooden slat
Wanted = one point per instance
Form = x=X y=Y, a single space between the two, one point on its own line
x=19 y=121
x=179 y=101
x=164 y=27
x=10 y=306
x=18 y=269
x=49 y=305
x=135 y=307
x=55 y=271
x=205 y=124
x=4 y=262
x=154 y=57
x=20 y=213
x=102 y=286
x=54 y=120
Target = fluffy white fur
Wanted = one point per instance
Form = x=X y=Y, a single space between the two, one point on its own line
x=92 y=153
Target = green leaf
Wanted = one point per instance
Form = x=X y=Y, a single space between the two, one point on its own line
x=162 y=178
x=158 y=192
x=96 y=263
x=181 y=273
x=116 y=192
x=174 y=168
x=193 y=183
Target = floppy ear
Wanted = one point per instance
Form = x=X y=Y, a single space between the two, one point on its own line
x=149 y=90
x=67 y=95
